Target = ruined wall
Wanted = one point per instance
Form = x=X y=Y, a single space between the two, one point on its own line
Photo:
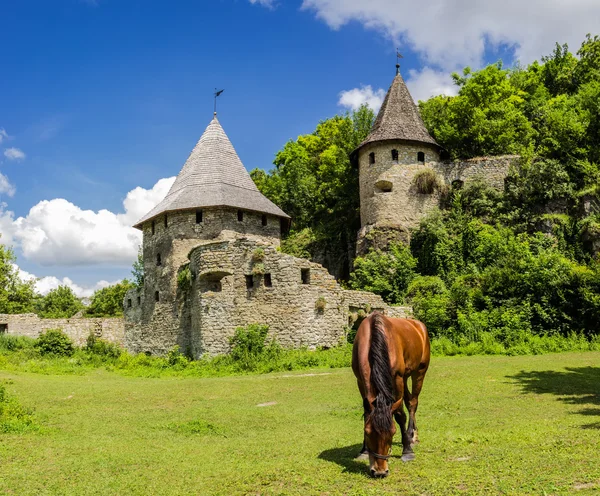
x=300 y=312
x=491 y=169
x=78 y=329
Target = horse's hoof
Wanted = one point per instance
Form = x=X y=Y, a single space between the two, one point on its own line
x=362 y=456
x=408 y=457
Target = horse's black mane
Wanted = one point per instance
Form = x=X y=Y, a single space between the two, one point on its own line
x=381 y=376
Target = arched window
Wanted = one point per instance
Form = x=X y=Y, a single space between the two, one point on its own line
x=372 y=158
x=395 y=156
x=264 y=220
x=241 y=215
x=156 y=296
x=421 y=157
x=166 y=224
x=153 y=227
x=158 y=259
x=198 y=216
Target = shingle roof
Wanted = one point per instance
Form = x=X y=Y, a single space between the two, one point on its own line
x=399 y=118
x=212 y=176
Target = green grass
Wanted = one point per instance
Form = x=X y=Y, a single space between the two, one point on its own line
x=488 y=425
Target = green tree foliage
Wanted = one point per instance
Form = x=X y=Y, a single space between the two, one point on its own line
x=108 y=302
x=385 y=273
x=16 y=296
x=314 y=182
x=137 y=270
x=59 y=303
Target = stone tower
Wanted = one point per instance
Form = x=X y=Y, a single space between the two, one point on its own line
x=212 y=199
x=396 y=150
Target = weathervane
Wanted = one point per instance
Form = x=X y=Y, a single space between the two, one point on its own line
x=398 y=57
x=217 y=94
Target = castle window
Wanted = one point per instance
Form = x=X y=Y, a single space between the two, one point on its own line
x=395 y=156
x=139 y=300
x=198 y=216
x=156 y=296
x=240 y=215
x=268 y=281
x=372 y=158
x=166 y=224
x=249 y=282
x=384 y=186
x=264 y=220
x=153 y=227
x=421 y=157
x=158 y=259
x=305 y=274
x=283 y=226
x=128 y=302
x=3 y=328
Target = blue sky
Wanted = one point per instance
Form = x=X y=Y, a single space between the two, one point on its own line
x=101 y=99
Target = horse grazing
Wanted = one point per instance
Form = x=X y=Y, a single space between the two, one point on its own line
x=386 y=353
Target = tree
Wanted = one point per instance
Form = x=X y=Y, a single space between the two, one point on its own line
x=108 y=302
x=59 y=303
x=315 y=183
x=16 y=296
x=138 y=270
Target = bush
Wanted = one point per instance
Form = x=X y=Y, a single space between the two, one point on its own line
x=320 y=304
x=55 y=342
x=184 y=278
x=249 y=346
x=10 y=342
x=426 y=181
x=100 y=347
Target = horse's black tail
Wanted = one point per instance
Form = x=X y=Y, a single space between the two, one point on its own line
x=381 y=376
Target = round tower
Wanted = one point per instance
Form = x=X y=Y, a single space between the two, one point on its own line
x=397 y=151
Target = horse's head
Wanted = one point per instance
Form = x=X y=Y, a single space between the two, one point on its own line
x=379 y=432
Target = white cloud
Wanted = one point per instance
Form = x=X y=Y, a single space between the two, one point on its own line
x=6 y=187
x=3 y=135
x=428 y=82
x=356 y=97
x=265 y=3
x=57 y=232
x=14 y=154
x=46 y=284
x=451 y=34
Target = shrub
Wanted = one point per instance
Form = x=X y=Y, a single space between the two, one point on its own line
x=320 y=304
x=59 y=303
x=258 y=269
x=426 y=181
x=100 y=347
x=108 y=302
x=55 y=342
x=249 y=347
x=176 y=359
x=258 y=255
x=184 y=278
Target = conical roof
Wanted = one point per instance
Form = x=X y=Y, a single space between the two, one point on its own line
x=399 y=118
x=213 y=176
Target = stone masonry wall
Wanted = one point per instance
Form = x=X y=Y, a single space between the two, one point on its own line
x=492 y=169
x=78 y=329
x=290 y=305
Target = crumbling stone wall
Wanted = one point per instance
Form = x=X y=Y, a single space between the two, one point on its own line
x=300 y=310
x=78 y=329
x=491 y=169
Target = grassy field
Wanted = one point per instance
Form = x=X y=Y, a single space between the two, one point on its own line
x=488 y=425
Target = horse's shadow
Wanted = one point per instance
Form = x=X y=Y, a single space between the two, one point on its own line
x=346 y=458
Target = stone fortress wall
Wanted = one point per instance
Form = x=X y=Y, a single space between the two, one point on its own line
x=78 y=329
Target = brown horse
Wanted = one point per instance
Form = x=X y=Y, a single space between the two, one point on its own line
x=386 y=353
